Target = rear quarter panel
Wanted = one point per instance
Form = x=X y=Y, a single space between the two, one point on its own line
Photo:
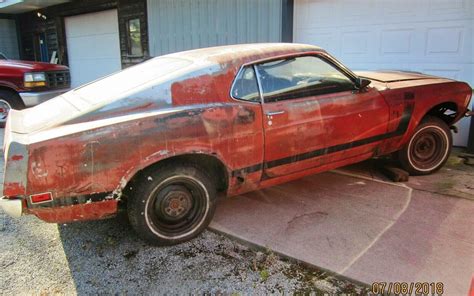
x=102 y=159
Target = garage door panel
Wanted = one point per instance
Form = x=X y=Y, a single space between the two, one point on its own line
x=90 y=47
x=355 y=43
x=350 y=12
x=107 y=66
x=92 y=23
x=429 y=36
x=396 y=10
x=8 y=38
x=450 y=9
x=445 y=41
x=93 y=46
x=396 y=42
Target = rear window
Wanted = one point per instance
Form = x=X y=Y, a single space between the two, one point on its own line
x=118 y=85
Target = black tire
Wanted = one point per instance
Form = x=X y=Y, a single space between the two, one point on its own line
x=428 y=148
x=172 y=204
x=8 y=100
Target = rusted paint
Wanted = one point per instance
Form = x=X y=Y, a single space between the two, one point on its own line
x=99 y=151
x=13 y=189
x=81 y=212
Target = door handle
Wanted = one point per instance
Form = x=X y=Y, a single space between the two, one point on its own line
x=272 y=113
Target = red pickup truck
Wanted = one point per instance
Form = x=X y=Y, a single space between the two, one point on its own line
x=25 y=84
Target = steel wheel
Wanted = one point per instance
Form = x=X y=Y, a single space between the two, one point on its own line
x=8 y=100
x=4 y=110
x=177 y=206
x=172 y=204
x=428 y=148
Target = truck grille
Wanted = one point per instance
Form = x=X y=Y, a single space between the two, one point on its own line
x=58 y=79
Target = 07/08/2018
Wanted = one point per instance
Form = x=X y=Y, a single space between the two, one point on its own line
x=405 y=288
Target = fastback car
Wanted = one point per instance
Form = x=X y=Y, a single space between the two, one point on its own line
x=165 y=138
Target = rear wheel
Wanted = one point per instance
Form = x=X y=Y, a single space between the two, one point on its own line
x=172 y=205
x=428 y=148
x=8 y=100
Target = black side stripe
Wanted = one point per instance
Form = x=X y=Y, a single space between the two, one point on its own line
x=247 y=170
x=401 y=129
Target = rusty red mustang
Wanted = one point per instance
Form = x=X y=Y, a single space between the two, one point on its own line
x=164 y=138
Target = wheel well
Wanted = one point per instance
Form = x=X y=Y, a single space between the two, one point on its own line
x=5 y=88
x=446 y=111
x=210 y=164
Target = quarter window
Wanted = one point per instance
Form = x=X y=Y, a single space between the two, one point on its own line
x=300 y=77
x=245 y=86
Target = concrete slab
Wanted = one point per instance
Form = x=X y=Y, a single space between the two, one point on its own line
x=453 y=179
x=365 y=229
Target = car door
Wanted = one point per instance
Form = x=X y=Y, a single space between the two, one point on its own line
x=314 y=114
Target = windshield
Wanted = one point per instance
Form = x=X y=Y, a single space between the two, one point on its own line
x=2 y=56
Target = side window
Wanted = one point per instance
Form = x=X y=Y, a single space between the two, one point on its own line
x=245 y=86
x=300 y=77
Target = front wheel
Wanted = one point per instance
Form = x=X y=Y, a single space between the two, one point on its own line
x=428 y=148
x=172 y=204
x=8 y=100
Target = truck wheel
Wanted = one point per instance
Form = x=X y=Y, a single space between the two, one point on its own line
x=428 y=149
x=172 y=204
x=8 y=100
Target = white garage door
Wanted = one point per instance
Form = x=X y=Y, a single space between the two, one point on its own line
x=93 y=45
x=430 y=36
x=8 y=39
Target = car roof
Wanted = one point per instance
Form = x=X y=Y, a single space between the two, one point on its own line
x=243 y=53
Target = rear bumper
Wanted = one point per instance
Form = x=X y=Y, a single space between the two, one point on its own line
x=35 y=98
x=13 y=207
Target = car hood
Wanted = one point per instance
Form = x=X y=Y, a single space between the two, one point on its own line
x=393 y=76
x=31 y=66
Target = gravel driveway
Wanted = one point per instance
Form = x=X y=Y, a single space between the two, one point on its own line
x=106 y=257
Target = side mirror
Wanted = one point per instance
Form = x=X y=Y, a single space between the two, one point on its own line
x=362 y=83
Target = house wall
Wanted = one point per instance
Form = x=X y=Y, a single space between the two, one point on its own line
x=177 y=25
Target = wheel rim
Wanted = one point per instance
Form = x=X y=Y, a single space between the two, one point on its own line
x=177 y=207
x=428 y=148
x=4 y=110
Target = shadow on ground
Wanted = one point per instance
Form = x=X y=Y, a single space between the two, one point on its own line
x=106 y=256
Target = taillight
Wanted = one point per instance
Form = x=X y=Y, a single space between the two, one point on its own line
x=41 y=197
